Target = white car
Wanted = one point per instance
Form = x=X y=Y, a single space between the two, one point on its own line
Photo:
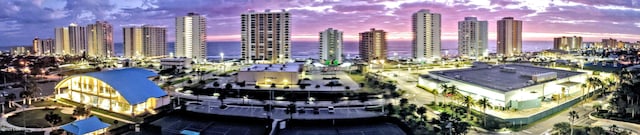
x=331 y=109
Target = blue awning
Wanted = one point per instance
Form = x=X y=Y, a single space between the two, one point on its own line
x=84 y=126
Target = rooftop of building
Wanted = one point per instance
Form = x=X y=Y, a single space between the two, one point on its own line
x=495 y=78
x=85 y=126
x=289 y=67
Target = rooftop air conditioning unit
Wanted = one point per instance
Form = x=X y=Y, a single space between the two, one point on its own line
x=508 y=69
x=544 y=76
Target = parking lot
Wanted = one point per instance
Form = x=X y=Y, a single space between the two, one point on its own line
x=279 y=113
x=362 y=129
x=174 y=124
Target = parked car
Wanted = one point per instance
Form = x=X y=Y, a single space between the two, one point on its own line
x=331 y=109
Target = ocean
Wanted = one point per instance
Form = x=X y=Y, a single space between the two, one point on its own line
x=309 y=49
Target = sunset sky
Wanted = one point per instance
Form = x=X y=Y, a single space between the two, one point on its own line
x=22 y=20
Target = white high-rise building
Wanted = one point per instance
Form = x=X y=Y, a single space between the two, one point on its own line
x=509 y=37
x=191 y=35
x=71 y=40
x=100 y=39
x=266 y=36
x=472 y=38
x=426 y=35
x=331 y=46
x=145 y=41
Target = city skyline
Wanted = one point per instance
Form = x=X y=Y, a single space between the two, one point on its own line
x=545 y=19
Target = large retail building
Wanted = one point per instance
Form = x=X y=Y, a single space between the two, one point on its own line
x=513 y=86
x=127 y=91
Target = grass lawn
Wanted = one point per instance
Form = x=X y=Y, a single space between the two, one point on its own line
x=35 y=118
x=358 y=78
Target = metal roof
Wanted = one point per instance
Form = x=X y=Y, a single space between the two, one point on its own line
x=85 y=126
x=132 y=83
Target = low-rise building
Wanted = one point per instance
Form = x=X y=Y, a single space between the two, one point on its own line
x=177 y=62
x=513 y=86
x=267 y=74
x=126 y=91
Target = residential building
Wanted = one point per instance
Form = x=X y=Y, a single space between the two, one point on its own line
x=266 y=36
x=145 y=41
x=509 y=37
x=426 y=35
x=43 y=46
x=127 y=91
x=191 y=35
x=373 y=45
x=36 y=46
x=331 y=46
x=567 y=43
x=609 y=43
x=100 y=39
x=71 y=40
x=473 y=38
x=21 y=50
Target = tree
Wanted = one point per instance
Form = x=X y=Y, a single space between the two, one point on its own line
x=189 y=81
x=444 y=88
x=562 y=127
x=404 y=101
x=469 y=102
x=435 y=94
x=422 y=112
x=81 y=111
x=11 y=97
x=216 y=84
x=291 y=109
x=222 y=96
x=484 y=103
x=597 y=131
x=613 y=128
x=573 y=116
x=53 y=118
x=597 y=107
x=390 y=109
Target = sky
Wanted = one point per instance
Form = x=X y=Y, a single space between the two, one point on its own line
x=22 y=20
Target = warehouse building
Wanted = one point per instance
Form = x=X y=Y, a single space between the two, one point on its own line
x=513 y=86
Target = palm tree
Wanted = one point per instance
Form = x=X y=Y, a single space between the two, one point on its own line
x=484 y=103
x=435 y=98
x=573 y=116
x=444 y=88
x=583 y=86
x=597 y=107
x=469 y=102
x=422 y=112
